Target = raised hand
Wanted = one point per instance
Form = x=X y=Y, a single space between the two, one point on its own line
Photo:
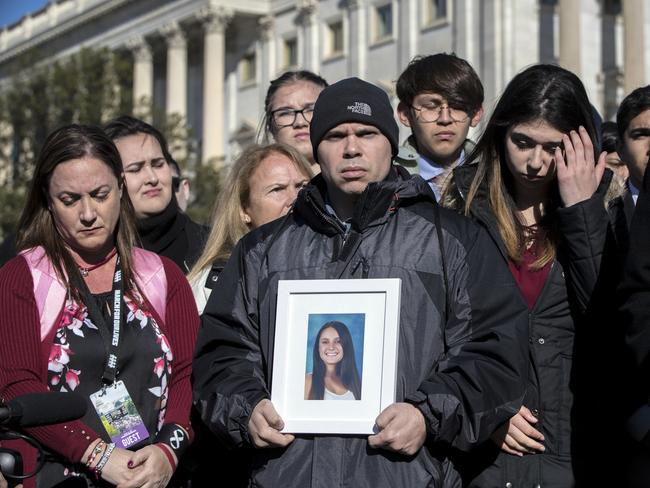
x=577 y=176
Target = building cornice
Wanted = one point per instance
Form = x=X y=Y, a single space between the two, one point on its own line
x=142 y=25
x=54 y=29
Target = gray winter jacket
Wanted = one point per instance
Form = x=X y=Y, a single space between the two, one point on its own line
x=462 y=371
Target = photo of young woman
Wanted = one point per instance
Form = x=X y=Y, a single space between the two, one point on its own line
x=335 y=375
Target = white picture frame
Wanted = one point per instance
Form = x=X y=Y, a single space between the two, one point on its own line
x=305 y=309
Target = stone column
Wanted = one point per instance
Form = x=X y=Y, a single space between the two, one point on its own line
x=516 y=24
x=358 y=38
x=112 y=89
x=507 y=26
x=497 y=17
x=142 y=76
x=636 y=44
x=215 y=21
x=267 y=38
x=307 y=21
x=580 y=45
x=408 y=29
x=176 y=102
x=570 y=12
x=466 y=29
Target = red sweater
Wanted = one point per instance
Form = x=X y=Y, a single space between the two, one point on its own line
x=530 y=281
x=24 y=357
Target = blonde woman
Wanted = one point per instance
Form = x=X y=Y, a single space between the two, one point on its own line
x=262 y=185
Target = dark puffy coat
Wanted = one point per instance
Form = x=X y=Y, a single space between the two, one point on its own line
x=635 y=287
x=635 y=315
x=620 y=211
x=560 y=359
x=463 y=375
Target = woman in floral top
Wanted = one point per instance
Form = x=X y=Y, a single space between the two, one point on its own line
x=84 y=311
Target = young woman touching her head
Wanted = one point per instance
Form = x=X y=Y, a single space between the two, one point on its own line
x=535 y=182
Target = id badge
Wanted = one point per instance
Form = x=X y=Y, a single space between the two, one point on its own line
x=119 y=416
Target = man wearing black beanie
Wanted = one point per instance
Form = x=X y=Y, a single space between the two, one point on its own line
x=353 y=100
x=353 y=134
x=462 y=350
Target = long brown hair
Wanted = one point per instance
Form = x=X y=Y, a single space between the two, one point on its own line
x=541 y=92
x=37 y=227
x=346 y=369
x=227 y=224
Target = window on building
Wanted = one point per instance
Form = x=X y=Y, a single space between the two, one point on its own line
x=335 y=38
x=434 y=10
x=248 y=70
x=290 y=52
x=383 y=22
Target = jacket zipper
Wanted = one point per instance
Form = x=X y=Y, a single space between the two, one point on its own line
x=328 y=218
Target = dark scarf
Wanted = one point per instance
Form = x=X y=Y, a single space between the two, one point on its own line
x=159 y=231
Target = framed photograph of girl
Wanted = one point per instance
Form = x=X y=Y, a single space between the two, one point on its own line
x=335 y=356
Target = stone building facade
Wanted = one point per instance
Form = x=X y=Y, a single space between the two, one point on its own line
x=211 y=60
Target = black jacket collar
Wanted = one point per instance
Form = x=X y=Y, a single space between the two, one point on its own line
x=480 y=207
x=374 y=206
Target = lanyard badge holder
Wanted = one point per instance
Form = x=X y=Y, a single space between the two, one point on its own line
x=113 y=403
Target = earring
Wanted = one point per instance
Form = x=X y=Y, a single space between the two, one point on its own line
x=247 y=219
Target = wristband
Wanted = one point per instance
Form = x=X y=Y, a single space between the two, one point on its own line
x=168 y=452
x=97 y=449
x=103 y=460
x=175 y=438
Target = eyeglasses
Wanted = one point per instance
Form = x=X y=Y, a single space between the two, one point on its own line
x=284 y=117
x=431 y=113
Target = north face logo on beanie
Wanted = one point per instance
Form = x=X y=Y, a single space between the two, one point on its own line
x=360 y=108
x=353 y=100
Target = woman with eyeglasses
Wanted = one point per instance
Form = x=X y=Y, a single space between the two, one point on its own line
x=288 y=108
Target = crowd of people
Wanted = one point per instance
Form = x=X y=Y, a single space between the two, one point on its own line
x=525 y=290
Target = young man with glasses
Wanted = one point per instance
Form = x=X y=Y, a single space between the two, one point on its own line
x=440 y=98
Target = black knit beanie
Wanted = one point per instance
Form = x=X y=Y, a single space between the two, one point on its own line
x=353 y=100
